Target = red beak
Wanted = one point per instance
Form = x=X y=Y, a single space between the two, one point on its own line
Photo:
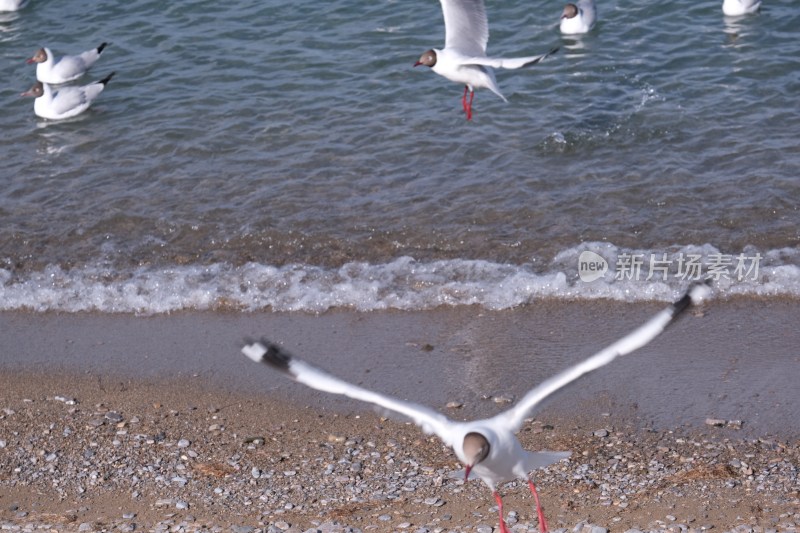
x=417 y=64
x=29 y=60
x=466 y=473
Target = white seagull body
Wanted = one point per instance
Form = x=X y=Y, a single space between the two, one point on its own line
x=66 y=69
x=11 y=5
x=578 y=18
x=65 y=102
x=463 y=59
x=488 y=447
x=735 y=8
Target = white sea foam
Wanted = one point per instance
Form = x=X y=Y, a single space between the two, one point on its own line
x=405 y=284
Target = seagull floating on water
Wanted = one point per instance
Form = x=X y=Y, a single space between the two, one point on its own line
x=578 y=18
x=66 y=69
x=65 y=102
x=464 y=59
x=735 y=8
x=11 y=5
x=489 y=447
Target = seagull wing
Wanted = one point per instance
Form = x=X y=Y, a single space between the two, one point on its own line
x=506 y=62
x=271 y=354
x=67 y=99
x=514 y=417
x=466 y=28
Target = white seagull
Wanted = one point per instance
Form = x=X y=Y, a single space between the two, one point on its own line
x=578 y=18
x=464 y=59
x=735 y=8
x=65 y=102
x=66 y=69
x=487 y=447
x=11 y=5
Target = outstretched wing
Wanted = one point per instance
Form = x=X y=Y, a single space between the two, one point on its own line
x=466 y=28
x=507 y=62
x=271 y=354
x=514 y=417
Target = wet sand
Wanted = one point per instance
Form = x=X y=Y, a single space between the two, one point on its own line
x=167 y=412
x=734 y=360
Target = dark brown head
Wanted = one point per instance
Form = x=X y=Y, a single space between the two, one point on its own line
x=428 y=59
x=39 y=57
x=36 y=91
x=570 y=11
x=476 y=449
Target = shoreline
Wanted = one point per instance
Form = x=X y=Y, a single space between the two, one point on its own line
x=734 y=360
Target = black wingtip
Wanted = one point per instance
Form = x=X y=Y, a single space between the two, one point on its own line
x=553 y=50
x=276 y=356
x=694 y=295
x=267 y=352
x=101 y=47
x=107 y=78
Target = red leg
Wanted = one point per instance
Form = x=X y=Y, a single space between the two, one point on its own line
x=503 y=528
x=469 y=107
x=542 y=522
x=464 y=99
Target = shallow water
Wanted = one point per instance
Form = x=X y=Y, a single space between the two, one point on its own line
x=287 y=156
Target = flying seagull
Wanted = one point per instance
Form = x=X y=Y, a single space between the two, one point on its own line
x=463 y=58
x=487 y=447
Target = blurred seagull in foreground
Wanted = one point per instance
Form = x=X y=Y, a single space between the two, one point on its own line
x=735 y=8
x=11 y=5
x=66 y=69
x=463 y=59
x=578 y=18
x=489 y=447
x=65 y=102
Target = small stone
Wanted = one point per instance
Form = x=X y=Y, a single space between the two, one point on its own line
x=384 y=518
x=183 y=443
x=435 y=502
x=66 y=399
x=241 y=529
x=602 y=433
x=255 y=472
x=717 y=422
x=283 y=526
x=336 y=439
x=86 y=526
x=113 y=417
x=454 y=405
x=289 y=473
x=181 y=505
x=503 y=398
x=163 y=503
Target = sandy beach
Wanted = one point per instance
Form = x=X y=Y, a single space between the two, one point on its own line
x=115 y=422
